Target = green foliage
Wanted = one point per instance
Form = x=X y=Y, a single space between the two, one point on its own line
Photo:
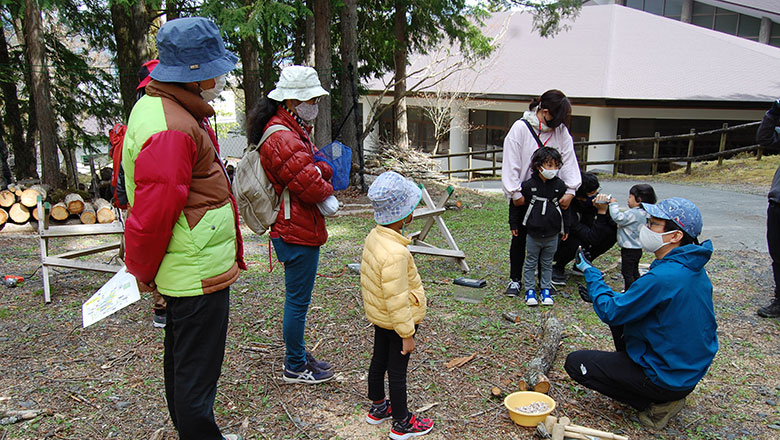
x=550 y=17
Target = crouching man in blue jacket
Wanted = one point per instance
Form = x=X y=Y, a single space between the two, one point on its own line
x=667 y=316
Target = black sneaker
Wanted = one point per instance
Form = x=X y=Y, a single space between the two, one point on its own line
x=558 y=276
x=159 y=321
x=379 y=413
x=322 y=365
x=770 y=311
x=512 y=289
x=411 y=427
x=310 y=374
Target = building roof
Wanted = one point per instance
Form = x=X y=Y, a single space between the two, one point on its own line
x=615 y=52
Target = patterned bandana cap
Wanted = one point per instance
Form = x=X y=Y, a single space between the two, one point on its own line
x=679 y=210
x=393 y=197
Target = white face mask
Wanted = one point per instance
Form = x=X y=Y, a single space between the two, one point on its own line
x=548 y=174
x=652 y=241
x=209 y=95
x=307 y=111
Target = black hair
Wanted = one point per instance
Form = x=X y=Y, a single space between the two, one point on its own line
x=670 y=225
x=589 y=184
x=555 y=102
x=543 y=155
x=260 y=114
x=643 y=193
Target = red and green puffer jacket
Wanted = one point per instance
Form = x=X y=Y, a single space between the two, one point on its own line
x=287 y=157
x=182 y=231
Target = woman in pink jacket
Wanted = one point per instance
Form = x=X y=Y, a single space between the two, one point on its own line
x=544 y=124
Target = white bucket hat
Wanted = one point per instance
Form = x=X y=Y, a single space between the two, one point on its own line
x=393 y=197
x=297 y=82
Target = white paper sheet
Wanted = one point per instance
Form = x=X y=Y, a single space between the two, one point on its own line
x=119 y=292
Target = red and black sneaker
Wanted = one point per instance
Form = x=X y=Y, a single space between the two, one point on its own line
x=379 y=413
x=411 y=427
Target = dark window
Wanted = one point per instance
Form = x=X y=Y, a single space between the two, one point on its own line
x=703 y=15
x=673 y=9
x=726 y=21
x=749 y=27
x=654 y=6
x=774 y=36
x=635 y=4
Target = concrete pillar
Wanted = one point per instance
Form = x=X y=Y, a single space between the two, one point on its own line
x=459 y=141
x=603 y=126
x=765 y=31
x=371 y=141
x=687 y=11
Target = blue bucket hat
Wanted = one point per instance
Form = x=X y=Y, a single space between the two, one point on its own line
x=191 y=50
x=393 y=197
x=679 y=210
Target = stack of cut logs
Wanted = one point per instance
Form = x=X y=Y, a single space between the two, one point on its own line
x=18 y=205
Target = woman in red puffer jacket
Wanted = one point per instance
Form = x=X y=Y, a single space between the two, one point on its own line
x=288 y=159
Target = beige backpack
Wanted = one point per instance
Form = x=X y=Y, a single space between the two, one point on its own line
x=257 y=200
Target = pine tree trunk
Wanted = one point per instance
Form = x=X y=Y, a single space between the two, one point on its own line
x=349 y=58
x=30 y=195
x=59 y=211
x=130 y=28
x=250 y=56
x=74 y=203
x=19 y=213
x=399 y=60
x=7 y=198
x=104 y=211
x=36 y=57
x=308 y=57
x=24 y=158
x=88 y=216
x=322 y=57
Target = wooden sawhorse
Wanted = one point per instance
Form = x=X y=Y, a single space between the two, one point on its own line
x=45 y=232
x=432 y=211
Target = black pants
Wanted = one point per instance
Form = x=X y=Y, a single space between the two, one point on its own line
x=773 y=241
x=629 y=265
x=387 y=357
x=614 y=374
x=195 y=334
x=568 y=249
x=517 y=248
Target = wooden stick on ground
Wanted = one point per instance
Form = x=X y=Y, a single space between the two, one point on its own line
x=535 y=378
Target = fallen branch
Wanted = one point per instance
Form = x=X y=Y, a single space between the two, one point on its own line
x=13 y=416
x=459 y=362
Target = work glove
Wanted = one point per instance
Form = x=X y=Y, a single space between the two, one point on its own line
x=583 y=291
x=580 y=261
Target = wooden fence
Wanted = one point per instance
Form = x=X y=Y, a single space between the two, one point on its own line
x=619 y=143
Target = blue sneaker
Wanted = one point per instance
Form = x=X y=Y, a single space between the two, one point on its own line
x=322 y=365
x=530 y=298
x=547 y=298
x=310 y=374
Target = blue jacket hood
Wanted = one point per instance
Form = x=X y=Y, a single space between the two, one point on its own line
x=692 y=256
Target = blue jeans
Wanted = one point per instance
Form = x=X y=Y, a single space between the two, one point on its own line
x=300 y=269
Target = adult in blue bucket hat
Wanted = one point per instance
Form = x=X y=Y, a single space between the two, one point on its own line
x=182 y=235
x=668 y=321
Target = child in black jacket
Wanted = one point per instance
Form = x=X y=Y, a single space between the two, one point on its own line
x=544 y=220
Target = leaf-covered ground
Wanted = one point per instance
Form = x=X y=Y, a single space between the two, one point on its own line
x=105 y=381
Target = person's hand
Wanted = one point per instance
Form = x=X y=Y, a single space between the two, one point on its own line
x=515 y=233
x=613 y=200
x=519 y=202
x=566 y=200
x=564 y=236
x=143 y=287
x=408 y=346
x=580 y=261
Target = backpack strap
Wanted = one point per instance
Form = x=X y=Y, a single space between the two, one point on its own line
x=536 y=136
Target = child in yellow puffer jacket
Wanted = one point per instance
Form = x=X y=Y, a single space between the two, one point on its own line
x=394 y=300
